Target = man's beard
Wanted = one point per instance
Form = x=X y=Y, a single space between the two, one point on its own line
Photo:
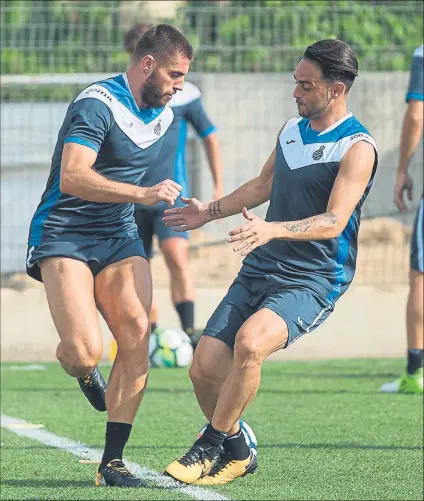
x=315 y=112
x=151 y=94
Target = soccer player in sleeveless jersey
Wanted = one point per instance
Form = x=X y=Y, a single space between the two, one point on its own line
x=298 y=261
x=83 y=240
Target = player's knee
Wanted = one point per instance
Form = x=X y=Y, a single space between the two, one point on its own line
x=177 y=267
x=247 y=349
x=132 y=330
x=78 y=359
x=177 y=263
x=134 y=323
x=202 y=373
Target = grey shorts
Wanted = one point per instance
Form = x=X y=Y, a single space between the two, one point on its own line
x=149 y=222
x=417 y=248
x=96 y=253
x=301 y=308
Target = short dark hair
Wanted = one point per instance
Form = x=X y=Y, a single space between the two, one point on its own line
x=163 y=41
x=336 y=60
x=132 y=36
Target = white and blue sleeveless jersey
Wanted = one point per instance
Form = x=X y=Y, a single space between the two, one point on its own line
x=127 y=139
x=306 y=167
x=416 y=85
x=188 y=107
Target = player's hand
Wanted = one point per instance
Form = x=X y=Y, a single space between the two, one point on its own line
x=165 y=191
x=254 y=233
x=192 y=216
x=403 y=185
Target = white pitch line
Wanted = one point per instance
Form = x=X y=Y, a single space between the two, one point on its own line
x=84 y=452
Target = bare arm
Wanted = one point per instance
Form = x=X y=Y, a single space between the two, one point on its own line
x=411 y=135
x=213 y=153
x=354 y=174
x=196 y=214
x=78 y=178
x=351 y=181
x=252 y=194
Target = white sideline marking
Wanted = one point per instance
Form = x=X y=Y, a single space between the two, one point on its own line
x=84 y=452
x=30 y=367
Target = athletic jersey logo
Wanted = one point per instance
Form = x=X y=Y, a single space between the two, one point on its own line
x=308 y=148
x=157 y=129
x=317 y=155
x=28 y=263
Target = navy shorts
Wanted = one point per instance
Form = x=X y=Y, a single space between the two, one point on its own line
x=417 y=248
x=149 y=222
x=96 y=253
x=301 y=308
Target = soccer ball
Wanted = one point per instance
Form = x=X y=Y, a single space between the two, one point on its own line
x=247 y=431
x=170 y=348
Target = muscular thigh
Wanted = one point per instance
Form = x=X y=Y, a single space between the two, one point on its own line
x=123 y=292
x=69 y=286
x=261 y=334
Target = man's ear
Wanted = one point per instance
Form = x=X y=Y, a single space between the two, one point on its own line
x=148 y=63
x=338 y=89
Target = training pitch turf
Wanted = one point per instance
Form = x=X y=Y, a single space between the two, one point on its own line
x=323 y=431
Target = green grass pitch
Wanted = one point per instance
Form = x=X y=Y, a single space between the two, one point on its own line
x=324 y=432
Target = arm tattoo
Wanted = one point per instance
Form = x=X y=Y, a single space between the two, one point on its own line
x=311 y=222
x=214 y=209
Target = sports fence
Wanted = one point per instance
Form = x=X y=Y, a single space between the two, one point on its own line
x=245 y=56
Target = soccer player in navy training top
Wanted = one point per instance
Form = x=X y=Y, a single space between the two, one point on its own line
x=188 y=108
x=298 y=263
x=83 y=240
x=412 y=381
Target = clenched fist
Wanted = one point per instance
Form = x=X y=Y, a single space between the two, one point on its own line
x=165 y=191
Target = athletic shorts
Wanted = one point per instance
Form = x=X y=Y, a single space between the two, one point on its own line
x=149 y=223
x=301 y=308
x=417 y=248
x=96 y=253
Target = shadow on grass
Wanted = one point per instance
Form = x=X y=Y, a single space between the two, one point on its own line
x=288 y=445
x=55 y=484
x=36 y=483
x=262 y=391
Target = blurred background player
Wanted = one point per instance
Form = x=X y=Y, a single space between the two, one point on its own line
x=187 y=106
x=412 y=380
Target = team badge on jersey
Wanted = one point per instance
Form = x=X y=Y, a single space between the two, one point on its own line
x=157 y=129
x=317 y=155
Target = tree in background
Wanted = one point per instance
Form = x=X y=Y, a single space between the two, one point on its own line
x=64 y=36
x=270 y=35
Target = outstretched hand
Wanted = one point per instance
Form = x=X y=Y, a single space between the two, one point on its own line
x=192 y=216
x=254 y=233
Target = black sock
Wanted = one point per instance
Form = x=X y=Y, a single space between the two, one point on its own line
x=415 y=360
x=237 y=446
x=212 y=437
x=186 y=312
x=153 y=326
x=117 y=435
